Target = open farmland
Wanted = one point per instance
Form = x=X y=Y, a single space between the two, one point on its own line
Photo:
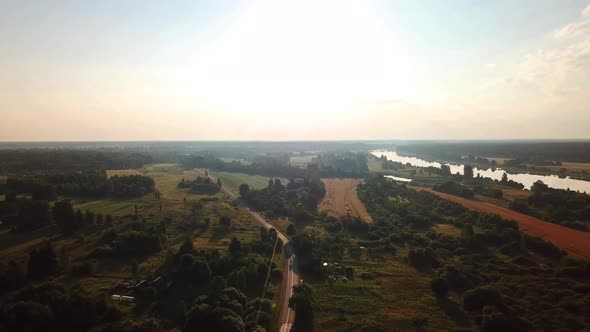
x=301 y=161
x=122 y=172
x=576 y=243
x=234 y=180
x=341 y=199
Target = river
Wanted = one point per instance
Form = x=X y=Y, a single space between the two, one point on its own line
x=526 y=179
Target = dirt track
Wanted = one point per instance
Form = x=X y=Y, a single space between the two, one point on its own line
x=341 y=199
x=576 y=243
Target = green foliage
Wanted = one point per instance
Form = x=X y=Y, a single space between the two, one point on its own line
x=48 y=307
x=30 y=160
x=564 y=207
x=563 y=151
x=204 y=317
x=194 y=268
x=42 y=262
x=298 y=199
x=235 y=247
x=202 y=185
x=344 y=164
x=33 y=215
x=468 y=171
x=63 y=214
x=543 y=247
x=276 y=276
x=454 y=188
x=519 y=293
x=439 y=286
x=477 y=298
x=301 y=303
x=291 y=230
x=12 y=277
x=131 y=185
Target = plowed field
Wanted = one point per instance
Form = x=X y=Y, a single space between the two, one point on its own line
x=576 y=243
x=341 y=199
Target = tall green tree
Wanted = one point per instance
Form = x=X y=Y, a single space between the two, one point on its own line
x=244 y=190
x=42 y=262
x=63 y=214
x=235 y=247
x=301 y=303
x=468 y=171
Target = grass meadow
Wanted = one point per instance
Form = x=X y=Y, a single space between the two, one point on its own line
x=397 y=299
x=234 y=180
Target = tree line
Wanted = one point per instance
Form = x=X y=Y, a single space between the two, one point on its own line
x=82 y=184
x=44 y=160
x=565 y=207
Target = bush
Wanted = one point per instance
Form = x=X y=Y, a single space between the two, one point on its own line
x=439 y=286
x=454 y=188
x=543 y=247
x=83 y=269
x=422 y=258
x=476 y=299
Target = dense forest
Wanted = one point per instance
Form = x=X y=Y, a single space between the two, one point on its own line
x=45 y=160
x=278 y=164
x=46 y=186
x=534 y=152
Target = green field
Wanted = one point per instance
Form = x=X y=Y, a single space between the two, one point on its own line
x=397 y=299
x=238 y=160
x=301 y=161
x=234 y=180
x=114 y=208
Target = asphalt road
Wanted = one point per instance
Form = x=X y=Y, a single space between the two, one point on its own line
x=290 y=279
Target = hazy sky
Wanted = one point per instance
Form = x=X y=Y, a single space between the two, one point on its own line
x=285 y=70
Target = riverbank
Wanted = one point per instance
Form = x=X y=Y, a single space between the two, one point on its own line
x=519 y=175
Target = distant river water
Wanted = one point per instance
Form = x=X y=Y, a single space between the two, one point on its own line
x=526 y=179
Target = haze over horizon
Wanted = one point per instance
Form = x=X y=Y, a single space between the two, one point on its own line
x=278 y=70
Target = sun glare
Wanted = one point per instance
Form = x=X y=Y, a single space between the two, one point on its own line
x=301 y=57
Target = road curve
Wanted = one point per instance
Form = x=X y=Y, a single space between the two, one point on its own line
x=286 y=314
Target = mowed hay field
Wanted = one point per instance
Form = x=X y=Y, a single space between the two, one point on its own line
x=576 y=243
x=341 y=199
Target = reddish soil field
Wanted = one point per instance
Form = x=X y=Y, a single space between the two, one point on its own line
x=576 y=243
x=341 y=199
